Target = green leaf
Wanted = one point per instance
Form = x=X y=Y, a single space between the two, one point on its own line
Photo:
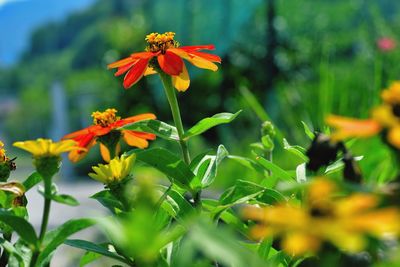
x=206 y=168
x=276 y=170
x=57 y=236
x=65 y=199
x=92 y=247
x=23 y=228
x=181 y=206
x=207 y=123
x=264 y=248
x=271 y=196
x=23 y=252
x=88 y=257
x=296 y=150
x=12 y=251
x=32 y=180
x=168 y=163
x=232 y=220
x=308 y=131
x=338 y=165
x=108 y=200
x=221 y=245
x=241 y=192
x=248 y=163
x=59 y=198
x=159 y=128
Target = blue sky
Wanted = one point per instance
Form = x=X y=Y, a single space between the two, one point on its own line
x=18 y=18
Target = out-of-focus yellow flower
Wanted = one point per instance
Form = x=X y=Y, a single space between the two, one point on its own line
x=46 y=147
x=2 y=152
x=391 y=95
x=384 y=119
x=342 y=221
x=115 y=171
x=6 y=164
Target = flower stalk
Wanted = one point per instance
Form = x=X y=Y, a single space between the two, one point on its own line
x=176 y=115
x=46 y=209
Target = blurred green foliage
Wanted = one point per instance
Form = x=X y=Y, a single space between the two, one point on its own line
x=302 y=60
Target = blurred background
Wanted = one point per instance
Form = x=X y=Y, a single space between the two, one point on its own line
x=302 y=60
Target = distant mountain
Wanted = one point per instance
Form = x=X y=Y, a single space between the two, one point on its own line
x=19 y=18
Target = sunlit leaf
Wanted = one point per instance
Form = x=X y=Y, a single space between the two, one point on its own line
x=205 y=168
x=295 y=150
x=159 y=128
x=207 y=123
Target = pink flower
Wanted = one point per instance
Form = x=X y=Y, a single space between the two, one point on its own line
x=386 y=44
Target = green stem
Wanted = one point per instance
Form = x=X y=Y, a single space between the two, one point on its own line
x=176 y=115
x=45 y=218
x=46 y=209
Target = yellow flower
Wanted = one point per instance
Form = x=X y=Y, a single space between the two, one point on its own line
x=46 y=147
x=115 y=171
x=345 y=222
x=391 y=95
x=2 y=152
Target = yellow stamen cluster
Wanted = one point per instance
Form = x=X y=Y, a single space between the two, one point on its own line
x=345 y=222
x=105 y=118
x=160 y=42
x=2 y=152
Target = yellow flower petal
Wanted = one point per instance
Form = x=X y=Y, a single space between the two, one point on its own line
x=348 y=127
x=182 y=81
x=393 y=136
x=195 y=60
x=46 y=147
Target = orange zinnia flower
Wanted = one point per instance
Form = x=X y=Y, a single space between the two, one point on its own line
x=169 y=60
x=105 y=128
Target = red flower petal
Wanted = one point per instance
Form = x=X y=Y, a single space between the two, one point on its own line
x=85 y=131
x=144 y=55
x=123 y=69
x=197 y=47
x=210 y=57
x=121 y=62
x=135 y=73
x=85 y=140
x=170 y=63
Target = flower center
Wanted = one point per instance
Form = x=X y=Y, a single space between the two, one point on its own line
x=105 y=118
x=161 y=42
